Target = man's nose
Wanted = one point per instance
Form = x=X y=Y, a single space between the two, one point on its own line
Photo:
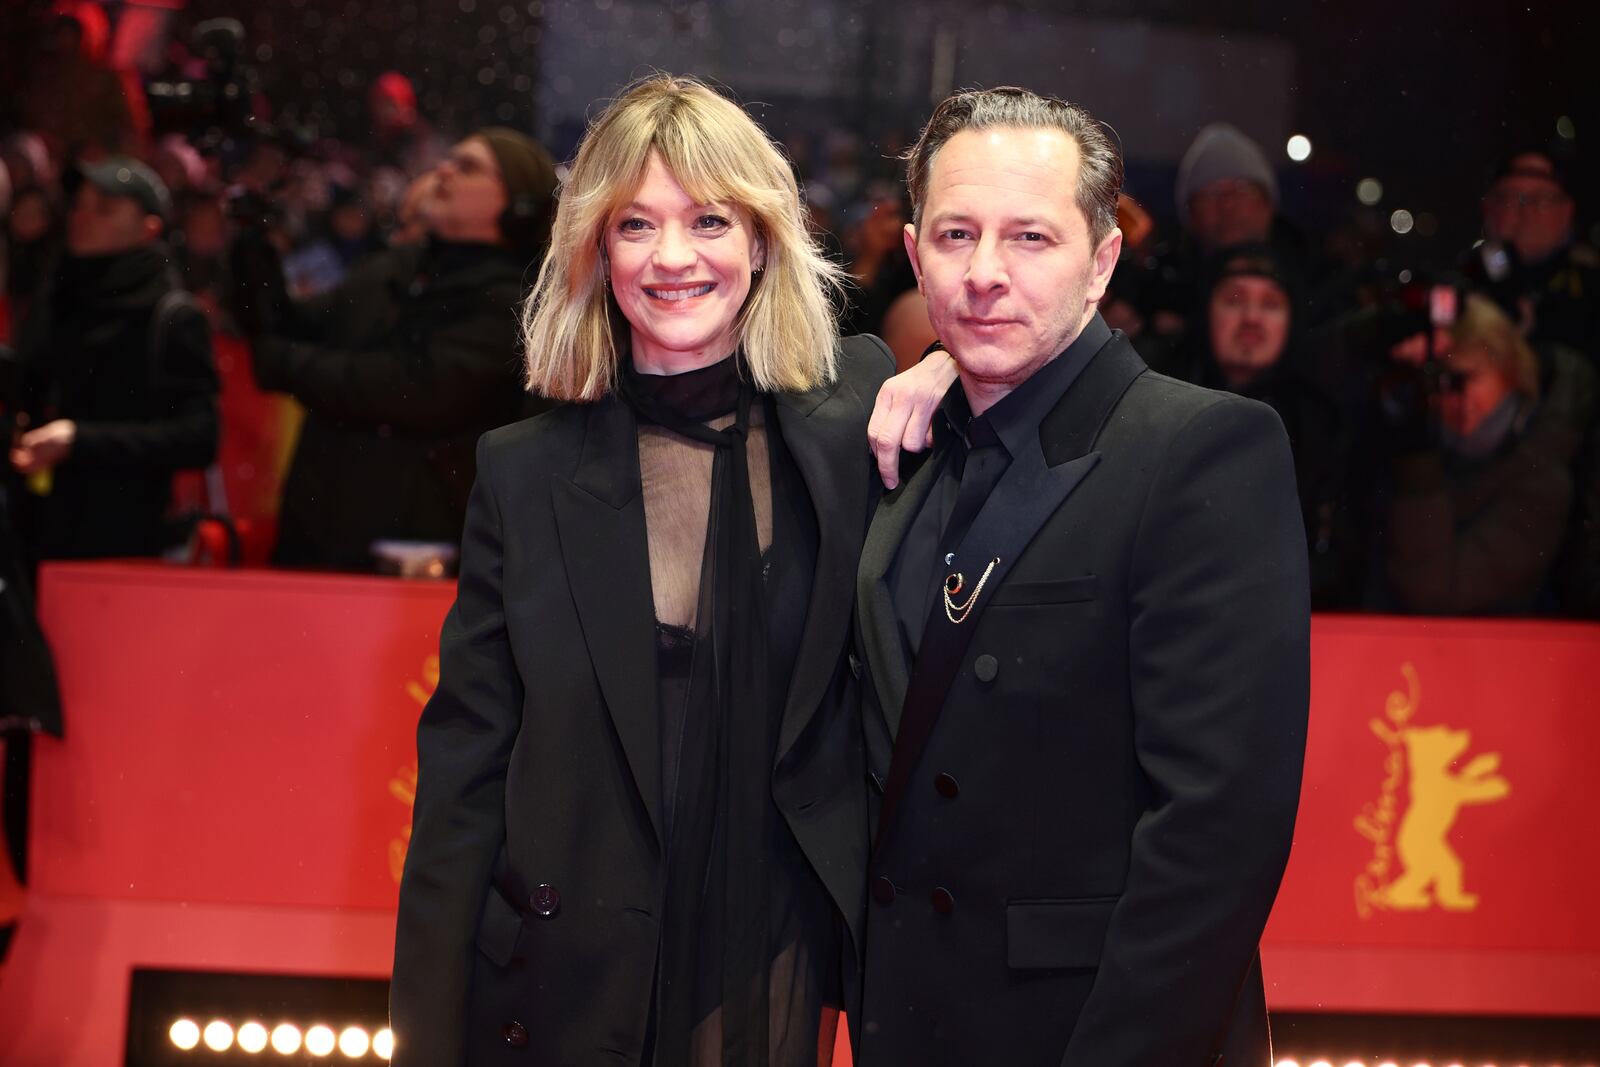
x=986 y=270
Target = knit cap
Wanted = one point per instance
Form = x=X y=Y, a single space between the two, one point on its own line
x=1222 y=151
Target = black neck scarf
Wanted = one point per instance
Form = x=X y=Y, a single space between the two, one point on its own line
x=716 y=946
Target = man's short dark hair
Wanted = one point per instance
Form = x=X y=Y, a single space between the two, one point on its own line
x=1100 y=160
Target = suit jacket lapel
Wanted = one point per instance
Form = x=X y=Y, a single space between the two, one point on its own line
x=875 y=615
x=821 y=431
x=1033 y=487
x=600 y=516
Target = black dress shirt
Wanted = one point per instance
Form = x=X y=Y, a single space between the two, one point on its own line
x=973 y=453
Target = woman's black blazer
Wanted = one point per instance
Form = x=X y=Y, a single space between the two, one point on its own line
x=530 y=907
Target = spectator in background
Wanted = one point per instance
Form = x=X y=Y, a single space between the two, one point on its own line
x=401 y=137
x=1528 y=213
x=1480 y=461
x=119 y=389
x=406 y=363
x=79 y=104
x=1227 y=195
x=1248 y=341
x=884 y=300
x=33 y=243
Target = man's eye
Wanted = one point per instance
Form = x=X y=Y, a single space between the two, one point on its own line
x=1031 y=236
x=956 y=235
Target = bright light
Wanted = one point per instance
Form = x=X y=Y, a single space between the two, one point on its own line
x=1320 y=1063
x=1401 y=222
x=1369 y=191
x=383 y=1044
x=353 y=1042
x=1355 y=1063
x=320 y=1041
x=1299 y=148
x=286 y=1038
x=219 y=1036
x=185 y=1034
x=1287 y=1063
x=252 y=1037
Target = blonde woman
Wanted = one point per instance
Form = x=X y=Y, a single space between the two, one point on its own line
x=640 y=832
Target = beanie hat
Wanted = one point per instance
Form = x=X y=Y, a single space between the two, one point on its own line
x=529 y=178
x=1222 y=151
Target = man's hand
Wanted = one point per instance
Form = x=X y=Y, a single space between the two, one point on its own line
x=45 y=448
x=903 y=415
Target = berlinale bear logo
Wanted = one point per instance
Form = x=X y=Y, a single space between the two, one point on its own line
x=403 y=786
x=1417 y=839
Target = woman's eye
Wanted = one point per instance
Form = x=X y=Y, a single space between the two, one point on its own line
x=633 y=225
x=711 y=222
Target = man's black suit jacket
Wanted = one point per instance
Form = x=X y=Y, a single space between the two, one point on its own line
x=530 y=907
x=1079 y=866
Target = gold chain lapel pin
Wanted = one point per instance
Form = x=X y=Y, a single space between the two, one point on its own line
x=957 y=613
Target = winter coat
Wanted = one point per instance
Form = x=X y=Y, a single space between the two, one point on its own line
x=401 y=368
x=142 y=390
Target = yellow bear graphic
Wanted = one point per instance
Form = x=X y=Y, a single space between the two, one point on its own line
x=1437 y=795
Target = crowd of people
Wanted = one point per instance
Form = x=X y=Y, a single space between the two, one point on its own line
x=166 y=288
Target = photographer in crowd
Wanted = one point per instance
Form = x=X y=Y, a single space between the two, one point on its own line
x=1481 y=441
x=1529 y=250
x=403 y=365
x=118 y=387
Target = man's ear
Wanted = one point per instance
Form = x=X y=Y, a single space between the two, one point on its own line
x=1105 y=262
x=910 y=234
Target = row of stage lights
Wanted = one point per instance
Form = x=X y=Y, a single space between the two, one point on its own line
x=219 y=1035
x=1396 y=1063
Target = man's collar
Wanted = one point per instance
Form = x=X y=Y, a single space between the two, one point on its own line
x=1016 y=416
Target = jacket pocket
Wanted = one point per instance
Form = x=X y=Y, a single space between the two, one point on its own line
x=1066 y=591
x=499 y=929
x=1057 y=933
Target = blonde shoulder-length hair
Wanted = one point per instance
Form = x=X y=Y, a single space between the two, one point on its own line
x=719 y=155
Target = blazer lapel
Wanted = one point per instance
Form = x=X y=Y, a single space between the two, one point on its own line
x=822 y=433
x=1033 y=487
x=875 y=616
x=600 y=517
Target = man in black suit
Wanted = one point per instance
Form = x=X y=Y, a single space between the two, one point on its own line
x=1085 y=621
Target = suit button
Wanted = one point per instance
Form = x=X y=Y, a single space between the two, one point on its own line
x=546 y=901
x=943 y=902
x=947 y=786
x=516 y=1034
x=883 y=890
x=986 y=667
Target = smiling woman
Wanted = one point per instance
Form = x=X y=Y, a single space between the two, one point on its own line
x=672 y=179
x=640 y=826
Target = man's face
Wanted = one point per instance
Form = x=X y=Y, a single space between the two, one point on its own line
x=104 y=225
x=1230 y=211
x=1249 y=325
x=1004 y=255
x=468 y=196
x=1528 y=212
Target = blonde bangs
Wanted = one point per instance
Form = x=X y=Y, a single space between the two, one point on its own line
x=719 y=156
